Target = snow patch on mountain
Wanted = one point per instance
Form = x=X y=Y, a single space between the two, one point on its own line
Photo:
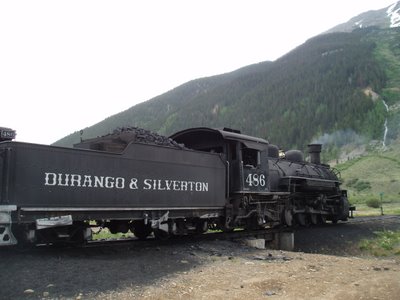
x=359 y=23
x=393 y=12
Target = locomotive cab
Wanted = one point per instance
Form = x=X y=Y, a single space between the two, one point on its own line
x=248 y=164
x=246 y=158
x=250 y=203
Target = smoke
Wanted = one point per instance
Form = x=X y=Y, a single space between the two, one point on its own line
x=340 y=138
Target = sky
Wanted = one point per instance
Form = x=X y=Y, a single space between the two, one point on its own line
x=66 y=65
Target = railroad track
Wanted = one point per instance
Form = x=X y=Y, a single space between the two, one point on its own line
x=366 y=219
x=239 y=234
x=267 y=234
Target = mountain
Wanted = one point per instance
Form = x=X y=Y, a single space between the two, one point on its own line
x=388 y=17
x=341 y=85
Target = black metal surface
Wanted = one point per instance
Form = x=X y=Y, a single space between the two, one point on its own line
x=311 y=176
x=193 y=137
x=142 y=176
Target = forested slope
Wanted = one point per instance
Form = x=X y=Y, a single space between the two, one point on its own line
x=333 y=82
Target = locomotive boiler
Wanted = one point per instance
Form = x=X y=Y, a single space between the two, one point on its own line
x=136 y=180
x=315 y=194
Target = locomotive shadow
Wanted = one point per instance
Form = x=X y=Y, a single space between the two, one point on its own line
x=68 y=273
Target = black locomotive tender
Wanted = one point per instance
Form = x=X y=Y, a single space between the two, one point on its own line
x=133 y=179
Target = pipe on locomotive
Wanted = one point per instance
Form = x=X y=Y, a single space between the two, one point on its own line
x=315 y=153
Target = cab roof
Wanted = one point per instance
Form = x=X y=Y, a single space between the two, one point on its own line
x=204 y=135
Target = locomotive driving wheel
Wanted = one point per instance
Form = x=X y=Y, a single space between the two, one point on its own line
x=288 y=217
x=314 y=219
x=301 y=219
x=322 y=219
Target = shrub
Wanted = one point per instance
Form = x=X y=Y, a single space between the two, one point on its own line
x=362 y=185
x=374 y=203
x=385 y=243
x=351 y=182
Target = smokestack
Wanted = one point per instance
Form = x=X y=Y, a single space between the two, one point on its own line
x=315 y=153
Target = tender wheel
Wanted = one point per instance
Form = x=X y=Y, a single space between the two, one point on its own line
x=202 y=227
x=227 y=230
x=161 y=234
x=25 y=237
x=140 y=230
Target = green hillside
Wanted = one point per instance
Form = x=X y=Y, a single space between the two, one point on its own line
x=332 y=83
x=372 y=176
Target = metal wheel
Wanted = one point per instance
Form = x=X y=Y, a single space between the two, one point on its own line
x=202 y=227
x=161 y=234
x=314 y=219
x=301 y=219
x=322 y=219
x=140 y=230
x=288 y=217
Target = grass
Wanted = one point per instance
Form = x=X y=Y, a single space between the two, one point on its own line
x=372 y=178
x=386 y=243
x=106 y=234
x=388 y=209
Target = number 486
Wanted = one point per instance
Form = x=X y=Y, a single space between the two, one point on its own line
x=255 y=180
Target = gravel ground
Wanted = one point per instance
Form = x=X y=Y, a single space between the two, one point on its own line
x=326 y=264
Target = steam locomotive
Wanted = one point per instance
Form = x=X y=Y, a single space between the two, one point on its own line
x=133 y=179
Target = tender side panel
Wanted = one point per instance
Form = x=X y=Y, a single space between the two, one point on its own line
x=145 y=176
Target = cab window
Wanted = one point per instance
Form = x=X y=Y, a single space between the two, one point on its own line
x=250 y=157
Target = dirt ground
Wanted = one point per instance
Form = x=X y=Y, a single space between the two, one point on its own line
x=326 y=264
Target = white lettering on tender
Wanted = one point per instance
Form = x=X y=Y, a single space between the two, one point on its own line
x=75 y=179
x=147 y=183
x=60 y=180
x=99 y=181
x=87 y=181
x=119 y=182
x=174 y=185
x=110 y=182
x=50 y=179
x=133 y=185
